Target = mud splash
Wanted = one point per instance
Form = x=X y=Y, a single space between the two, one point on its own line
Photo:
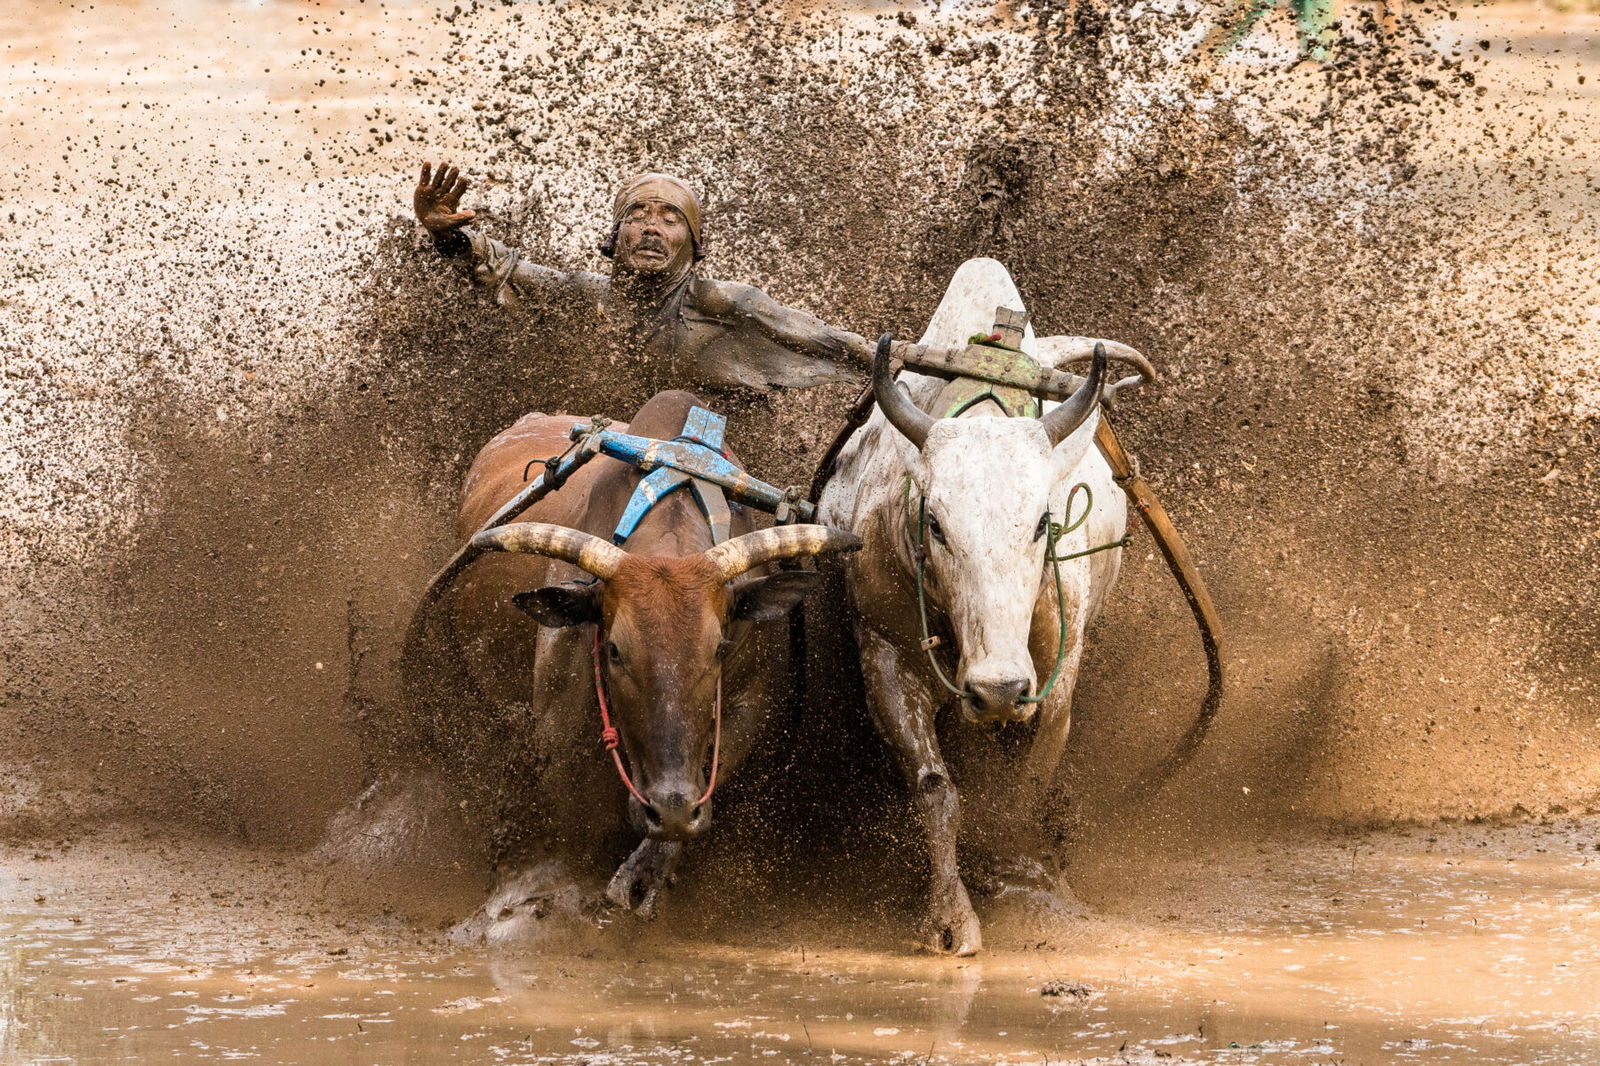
x=238 y=396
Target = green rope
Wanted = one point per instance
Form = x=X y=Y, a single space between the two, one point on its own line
x=1061 y=604
x=1057 y=532
x=1054 y=533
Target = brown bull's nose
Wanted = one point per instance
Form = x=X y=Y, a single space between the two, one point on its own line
x=675 y=816
x=996 y=700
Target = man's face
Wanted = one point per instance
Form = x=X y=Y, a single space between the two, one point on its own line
x=654 y=238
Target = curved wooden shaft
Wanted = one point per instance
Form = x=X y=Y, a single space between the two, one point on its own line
x=1189 y=580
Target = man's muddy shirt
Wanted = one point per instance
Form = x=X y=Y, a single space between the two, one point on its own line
x=701 y=334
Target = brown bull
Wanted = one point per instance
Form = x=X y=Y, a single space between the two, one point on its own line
x=677 y=617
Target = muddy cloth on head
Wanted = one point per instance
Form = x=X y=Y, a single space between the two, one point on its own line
x=662 y=187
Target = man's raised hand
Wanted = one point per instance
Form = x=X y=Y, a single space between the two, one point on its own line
x=438 y=198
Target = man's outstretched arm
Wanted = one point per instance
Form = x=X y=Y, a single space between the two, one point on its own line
x=496 y=266
x=796 y=330
x=853 y=354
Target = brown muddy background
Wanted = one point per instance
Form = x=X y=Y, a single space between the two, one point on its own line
x=236 y=399
x=238 y=395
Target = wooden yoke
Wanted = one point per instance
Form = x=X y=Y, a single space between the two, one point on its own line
x=1000 y=362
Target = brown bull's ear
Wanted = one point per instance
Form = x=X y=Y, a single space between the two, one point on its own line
x=567 y=604
x=767 y=598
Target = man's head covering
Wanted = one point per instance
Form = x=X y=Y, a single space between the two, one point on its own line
x=653 y=186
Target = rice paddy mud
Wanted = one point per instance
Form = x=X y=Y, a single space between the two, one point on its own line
x=1472 y=944
x=238 y=396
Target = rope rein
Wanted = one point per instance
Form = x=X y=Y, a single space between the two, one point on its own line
x=613 y=740
x=1054 y=533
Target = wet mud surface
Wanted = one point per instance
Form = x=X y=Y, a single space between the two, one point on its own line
x=1429 y=945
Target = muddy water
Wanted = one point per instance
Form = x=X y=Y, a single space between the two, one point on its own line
x=1445 y=945
x=1464 y=944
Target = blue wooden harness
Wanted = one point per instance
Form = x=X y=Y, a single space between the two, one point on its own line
x=697 y=449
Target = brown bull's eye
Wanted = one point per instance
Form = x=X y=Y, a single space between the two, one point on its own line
x=613 y=654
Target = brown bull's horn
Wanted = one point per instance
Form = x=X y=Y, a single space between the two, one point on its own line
x=742 y=554
x=1060 y=423
x=558 y=542
x=904 y=415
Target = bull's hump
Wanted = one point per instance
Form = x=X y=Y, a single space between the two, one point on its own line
x=663 y=414
x=671 y=543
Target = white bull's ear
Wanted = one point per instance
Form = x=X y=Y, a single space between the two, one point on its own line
x=567 y=604
x=772 y=597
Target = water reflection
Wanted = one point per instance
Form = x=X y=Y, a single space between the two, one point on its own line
x=1414 y=953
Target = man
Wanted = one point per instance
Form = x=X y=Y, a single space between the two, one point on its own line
x=655 y=316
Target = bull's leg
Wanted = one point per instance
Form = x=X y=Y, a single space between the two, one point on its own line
x=1032 y=822
x=639 y=881
x=904 y=713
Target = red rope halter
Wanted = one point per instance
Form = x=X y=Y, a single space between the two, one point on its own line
x=613 y=740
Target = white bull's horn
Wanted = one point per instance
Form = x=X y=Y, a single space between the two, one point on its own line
x=742 y=554
x=904 y=415
x=1060 y=423
x=558 y=542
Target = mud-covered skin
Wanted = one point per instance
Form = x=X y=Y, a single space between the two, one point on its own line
x=654 y=316
x=904 y=710
x=639 y=881
x=992 y=484
x=654 y=307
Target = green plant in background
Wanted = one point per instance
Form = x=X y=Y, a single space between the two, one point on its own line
x=1313 y=26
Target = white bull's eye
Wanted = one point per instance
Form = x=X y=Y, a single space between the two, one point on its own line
x=1043 y=527
x=935 y=529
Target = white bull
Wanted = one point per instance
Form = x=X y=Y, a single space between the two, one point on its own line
x=992 y=485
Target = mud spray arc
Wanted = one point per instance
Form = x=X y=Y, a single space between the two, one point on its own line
x=240 y=395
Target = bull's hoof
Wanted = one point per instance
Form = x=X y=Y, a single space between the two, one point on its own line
x=536 y=905
x=639 y=881
x=954 y=926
